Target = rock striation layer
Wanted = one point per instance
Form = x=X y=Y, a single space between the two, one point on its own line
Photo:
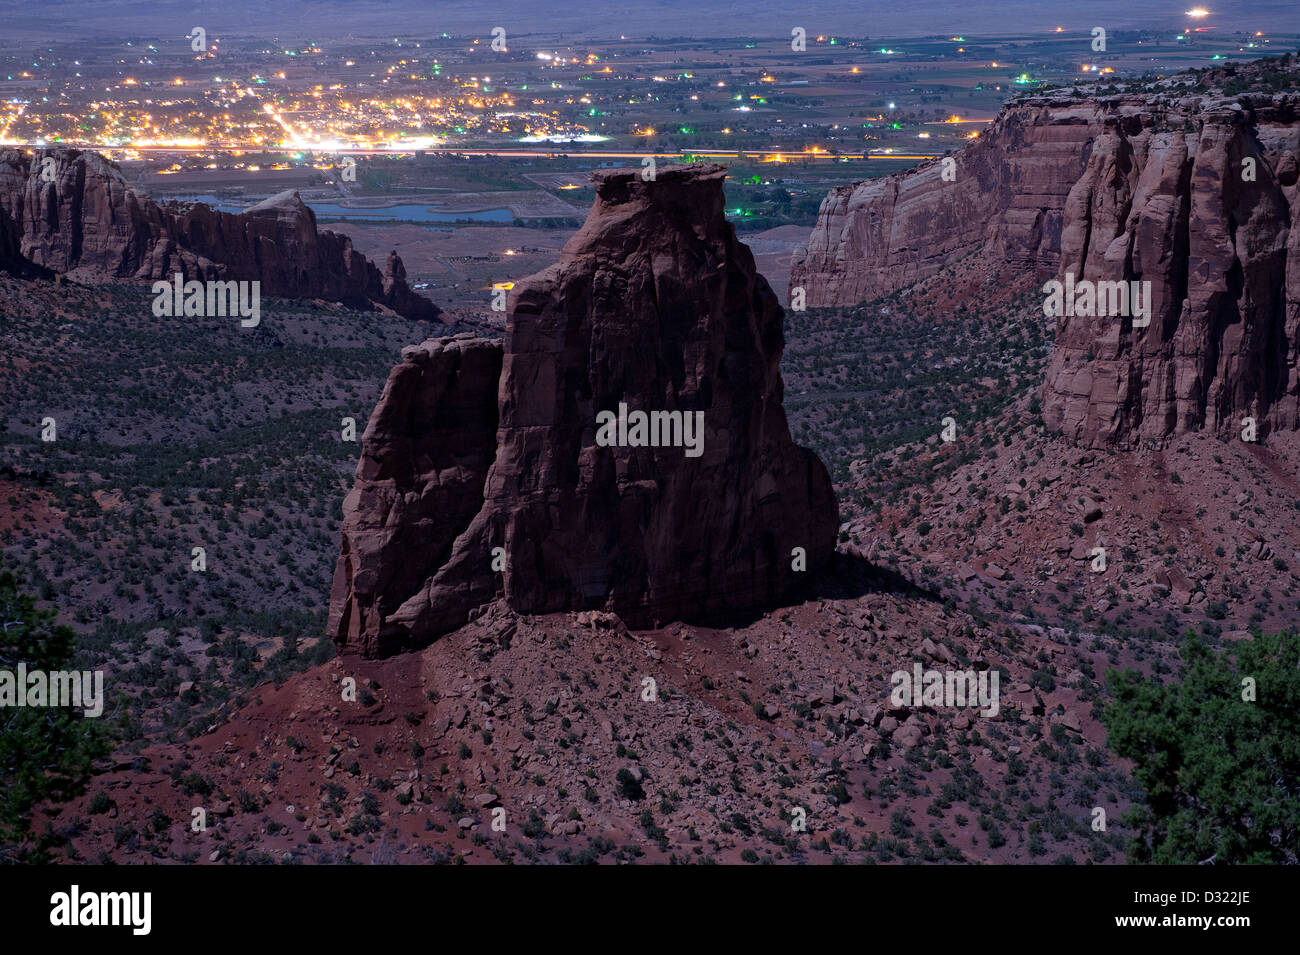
x=654 y=305
x=1194 y=192
x=80 y=218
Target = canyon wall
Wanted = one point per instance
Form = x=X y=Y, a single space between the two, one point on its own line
x=83 y=220
x=1203 y=205
x=1192 y=192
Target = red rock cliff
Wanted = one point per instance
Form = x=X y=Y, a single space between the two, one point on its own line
x=88 y=223
x=1164 y=200
x=1005 y=198
x=1148 y=188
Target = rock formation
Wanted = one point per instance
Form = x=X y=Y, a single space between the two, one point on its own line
x=1193 y=192
x=1004 y=198
x=1163 y=200
x=424 y=459
x=654 y=305
x=82 y=219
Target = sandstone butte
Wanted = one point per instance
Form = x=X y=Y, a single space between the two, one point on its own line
x=1153 y=187
x=475 y=446
x=85 y=222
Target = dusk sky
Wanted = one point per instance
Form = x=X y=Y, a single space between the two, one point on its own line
x=674 y=18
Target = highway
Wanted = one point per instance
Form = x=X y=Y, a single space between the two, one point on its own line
x=768 y=155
